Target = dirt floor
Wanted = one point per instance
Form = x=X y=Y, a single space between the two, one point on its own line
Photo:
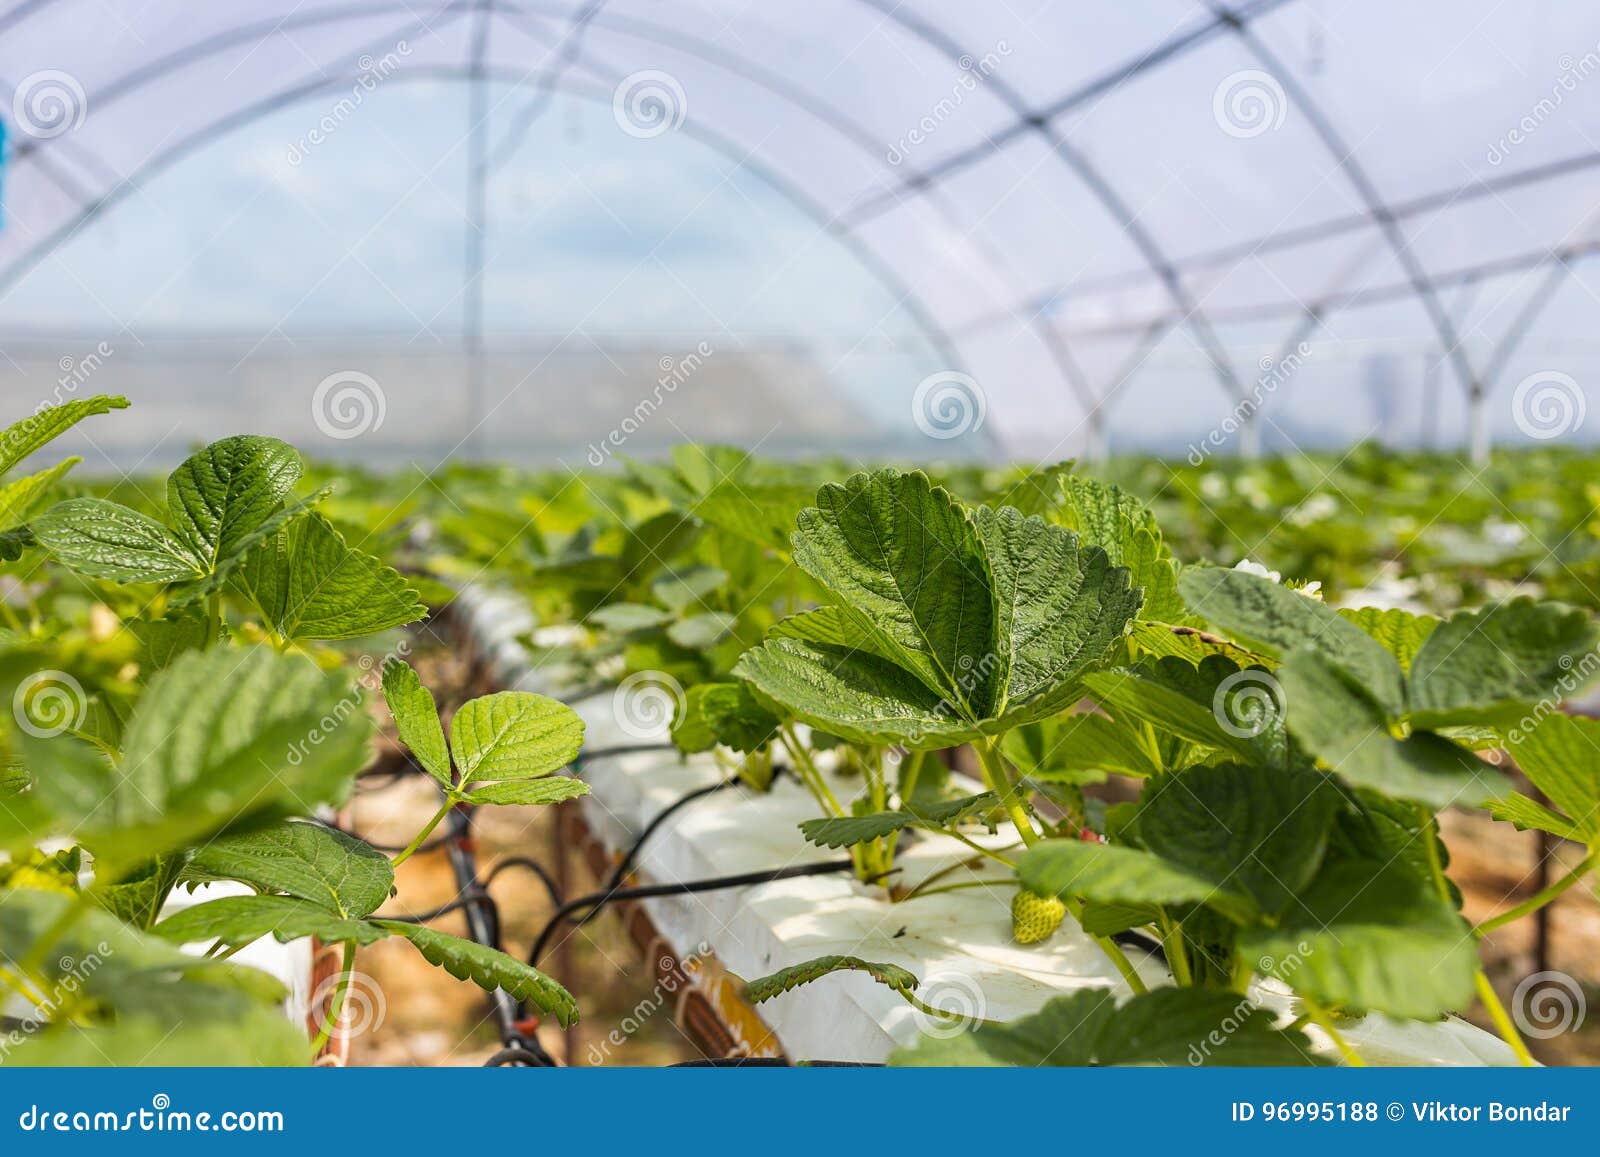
x=413 y=1014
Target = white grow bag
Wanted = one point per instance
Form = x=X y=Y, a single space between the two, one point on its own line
x=958 y=943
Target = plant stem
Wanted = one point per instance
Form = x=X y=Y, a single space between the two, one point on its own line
x=1540 y=899
x=213 y=619
x=998 y=780
x=20 y=986
x=1324 y=1021
x=1502 y=1020
x=1430 y=844
x=979 y=848
x=336 y=1005
x=1177 y=954
x=809 y=775
x=919 y=890
x=30 y=964
x=1123 y=965
x=427 y=831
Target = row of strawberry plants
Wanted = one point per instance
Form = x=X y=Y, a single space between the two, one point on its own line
x=1289 y=759
x=181 y=707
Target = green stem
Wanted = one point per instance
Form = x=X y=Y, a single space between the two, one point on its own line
x=919 y=890
x=1112 y=950
x=1324 y=1021
x=998 y=780
x=213 y=619
x=336 y=1005
x=809 y=775
x=427 y=831
x=1177 y=954
x=1502 y=1021
x=31 y=964
x=939 y=1012
x=977 y=847
x=1540 y=899
x=1123 y=964
x=1430 y=843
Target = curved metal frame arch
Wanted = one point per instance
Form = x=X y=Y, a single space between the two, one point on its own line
x=838 y=224
x=1194 y=317
x=1377 y=208
x=216 y=130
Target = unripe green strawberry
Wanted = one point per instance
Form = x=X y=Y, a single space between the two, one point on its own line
x=1034 y=918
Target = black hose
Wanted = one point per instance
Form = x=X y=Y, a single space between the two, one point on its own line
x=591 y=904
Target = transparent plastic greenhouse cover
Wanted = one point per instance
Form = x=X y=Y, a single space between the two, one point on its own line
x=1076 y=202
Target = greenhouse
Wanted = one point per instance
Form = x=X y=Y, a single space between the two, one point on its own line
x=605 y=534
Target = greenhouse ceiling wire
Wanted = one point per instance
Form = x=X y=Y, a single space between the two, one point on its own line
x=1050 y=195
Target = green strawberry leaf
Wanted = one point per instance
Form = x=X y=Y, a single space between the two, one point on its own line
x=1275 y=619
x=236 y=920
x=105 y=540
x=737 y=718
x=1167 y=1027
x=1561 y=757
x=787 y=979
x=46 y=425
x=625 y=618
x=903 y=555
x=550 y=789
x=1350 y=734
x=1262 y=831
x=1371 y=937
x=847 y=831
x=513 y=735
x=218 y=738
x=416 y=718
x=489 y=969
x=1401 y=632
x=337 y=872
x=310 y=584
x=1111 y=874
x=227 y=490
x=852 y=694
x=22 y=499
x=1513 y=653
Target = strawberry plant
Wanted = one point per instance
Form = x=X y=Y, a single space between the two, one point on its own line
x=234 y=735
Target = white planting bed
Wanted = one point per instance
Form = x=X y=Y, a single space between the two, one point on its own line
x=958 y=943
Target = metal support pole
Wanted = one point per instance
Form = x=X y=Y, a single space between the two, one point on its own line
x=477 y=223
x=1478 y=426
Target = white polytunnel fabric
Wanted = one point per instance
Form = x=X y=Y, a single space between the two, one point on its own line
x=1102 y=225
